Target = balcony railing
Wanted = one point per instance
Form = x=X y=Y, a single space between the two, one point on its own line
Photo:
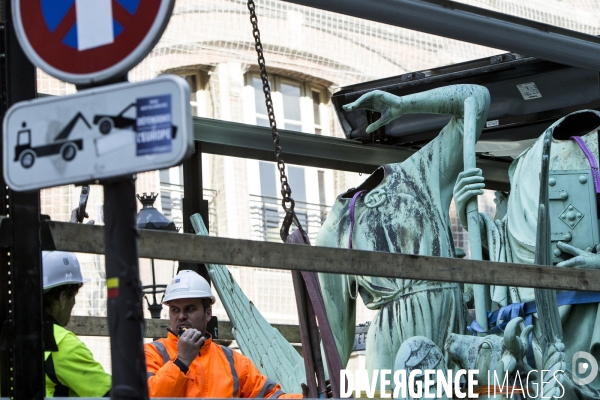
x=266 y=216
x=170 y=199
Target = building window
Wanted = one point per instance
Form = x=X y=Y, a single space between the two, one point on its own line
x=317 y=101
x=301 y=107
x=261 y=115
x=197 y=80
x=298 y=106
x=292 y=117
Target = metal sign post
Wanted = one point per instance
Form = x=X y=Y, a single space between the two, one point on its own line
x=100 y=134
x=124 y=304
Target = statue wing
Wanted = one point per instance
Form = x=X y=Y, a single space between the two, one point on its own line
x=272 y=354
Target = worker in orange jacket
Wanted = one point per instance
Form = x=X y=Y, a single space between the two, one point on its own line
x=192 y=365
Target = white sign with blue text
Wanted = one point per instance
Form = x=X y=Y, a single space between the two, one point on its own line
x=153 y=125
x=97 y=134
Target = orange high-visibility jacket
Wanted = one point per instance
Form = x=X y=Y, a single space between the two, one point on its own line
x=217 y=372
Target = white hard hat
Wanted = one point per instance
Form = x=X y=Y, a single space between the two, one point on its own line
x=188 y=285
x=60 y=268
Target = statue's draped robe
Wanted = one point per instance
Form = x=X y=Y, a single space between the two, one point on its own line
x=512 y=239
x=413 y=219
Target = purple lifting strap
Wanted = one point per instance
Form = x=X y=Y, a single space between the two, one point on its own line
x=591 y=159
x=352 y=205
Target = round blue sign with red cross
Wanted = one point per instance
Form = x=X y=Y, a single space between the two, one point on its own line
x=89 y=41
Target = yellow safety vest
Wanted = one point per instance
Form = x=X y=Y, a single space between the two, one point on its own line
x=72 y=371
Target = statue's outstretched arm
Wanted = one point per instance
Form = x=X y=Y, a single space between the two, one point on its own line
x=445 y=100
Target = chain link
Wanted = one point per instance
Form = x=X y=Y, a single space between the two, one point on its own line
x=286 y=192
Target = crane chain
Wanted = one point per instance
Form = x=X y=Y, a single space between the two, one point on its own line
x=287 y=202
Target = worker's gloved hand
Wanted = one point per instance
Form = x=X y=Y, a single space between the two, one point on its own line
x=74 y=217
x=189 y=345
x=468 y=184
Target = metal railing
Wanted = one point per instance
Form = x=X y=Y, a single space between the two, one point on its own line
x=170 y=198
x=266 y=216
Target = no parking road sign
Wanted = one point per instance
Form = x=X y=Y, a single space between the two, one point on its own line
x=89 y=41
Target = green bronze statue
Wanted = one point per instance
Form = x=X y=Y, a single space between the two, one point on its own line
x=574 y=231
x=403 y=209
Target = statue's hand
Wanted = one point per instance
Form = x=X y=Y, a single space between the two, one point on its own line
x=468 y=184
x=389 y=105
x=582 y=259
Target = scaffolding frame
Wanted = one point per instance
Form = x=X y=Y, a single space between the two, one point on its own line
x=250 y=253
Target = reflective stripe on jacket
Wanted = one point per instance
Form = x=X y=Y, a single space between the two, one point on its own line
x=72 y=371
x=217 y=372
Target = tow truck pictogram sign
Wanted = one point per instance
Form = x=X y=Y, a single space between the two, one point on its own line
x=67 y=148
x=135 y=127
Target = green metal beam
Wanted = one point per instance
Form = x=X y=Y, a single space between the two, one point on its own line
x=254 y=142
